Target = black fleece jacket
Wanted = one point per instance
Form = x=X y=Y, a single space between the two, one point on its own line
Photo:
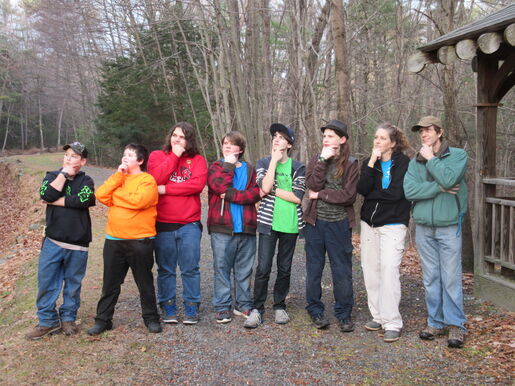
x=384 y=206
x=70 y=223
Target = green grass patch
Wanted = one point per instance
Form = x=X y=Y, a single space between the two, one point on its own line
x=475 y=353
x=34 y=164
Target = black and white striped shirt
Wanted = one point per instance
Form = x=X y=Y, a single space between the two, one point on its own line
x=265 y=212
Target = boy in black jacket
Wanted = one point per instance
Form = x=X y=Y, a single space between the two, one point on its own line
x=68 y=194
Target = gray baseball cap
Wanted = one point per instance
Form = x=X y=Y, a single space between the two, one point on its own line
x=427 y=121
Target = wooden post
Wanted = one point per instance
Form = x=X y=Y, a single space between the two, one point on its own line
x=485 y=155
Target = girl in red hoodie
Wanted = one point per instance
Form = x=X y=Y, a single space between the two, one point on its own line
x=181 y=174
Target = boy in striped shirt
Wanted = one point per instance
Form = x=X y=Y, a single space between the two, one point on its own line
x=282 y=183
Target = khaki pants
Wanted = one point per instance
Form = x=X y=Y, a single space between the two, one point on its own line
x=381 y=254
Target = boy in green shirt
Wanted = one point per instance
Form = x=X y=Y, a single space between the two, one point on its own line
x=282 y=183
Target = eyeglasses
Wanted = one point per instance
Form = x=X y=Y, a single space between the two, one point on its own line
x=73 y=155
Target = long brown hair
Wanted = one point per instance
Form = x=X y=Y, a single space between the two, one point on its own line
x=189 y=135
x=397 y=135
x=342 y=159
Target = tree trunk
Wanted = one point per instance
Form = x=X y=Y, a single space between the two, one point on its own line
x=7 y=126
x=40 y=124
x=341 y=65
x=59 y=124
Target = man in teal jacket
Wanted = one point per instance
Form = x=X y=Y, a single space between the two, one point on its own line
x=435 y=183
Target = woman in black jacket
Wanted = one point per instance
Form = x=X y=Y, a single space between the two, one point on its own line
x=384 y=222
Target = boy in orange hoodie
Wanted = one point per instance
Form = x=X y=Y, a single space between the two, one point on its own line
x=131 y=195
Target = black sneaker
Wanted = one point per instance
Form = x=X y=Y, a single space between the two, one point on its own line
x=99 y=328
x=154 y=327
x=223 y=316
x=319 y=320
x=346 y=325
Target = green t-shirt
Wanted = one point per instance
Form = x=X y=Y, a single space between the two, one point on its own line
x=285 y=212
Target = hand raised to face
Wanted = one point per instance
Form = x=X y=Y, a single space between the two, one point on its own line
x=71 y=170
x=178 y=149
x=123 y=168
x=375 y=155
x=231 y=158
x=278 y=152
x=426 y=151
x=328 y=152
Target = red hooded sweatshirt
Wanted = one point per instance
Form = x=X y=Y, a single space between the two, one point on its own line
x=184 y=178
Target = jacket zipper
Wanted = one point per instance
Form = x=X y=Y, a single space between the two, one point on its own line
x=373 y=213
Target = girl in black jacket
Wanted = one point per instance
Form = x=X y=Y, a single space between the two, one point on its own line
x=384 y=222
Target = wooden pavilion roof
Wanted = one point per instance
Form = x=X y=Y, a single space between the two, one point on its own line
x=491 y=34
x=494 y=22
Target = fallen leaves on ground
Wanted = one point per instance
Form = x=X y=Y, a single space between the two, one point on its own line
x=489 y=346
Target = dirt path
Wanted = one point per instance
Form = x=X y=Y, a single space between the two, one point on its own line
x=215 y=354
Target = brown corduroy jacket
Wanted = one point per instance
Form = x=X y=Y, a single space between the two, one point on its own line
x=315 y=180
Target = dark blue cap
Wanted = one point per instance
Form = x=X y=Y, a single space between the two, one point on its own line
x=279 y=127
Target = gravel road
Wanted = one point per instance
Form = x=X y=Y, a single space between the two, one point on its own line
x=209 y=353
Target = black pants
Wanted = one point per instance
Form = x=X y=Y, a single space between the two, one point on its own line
x=119 y=255
x=266 y=252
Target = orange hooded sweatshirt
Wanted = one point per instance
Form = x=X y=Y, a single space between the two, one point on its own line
x=132 y=201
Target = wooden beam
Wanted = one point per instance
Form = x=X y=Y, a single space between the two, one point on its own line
x=466 y=49
x=417 y=62
x=489 y=42
x=506 y=86
x=501 y=79
x=509 y=34
x=447 y=54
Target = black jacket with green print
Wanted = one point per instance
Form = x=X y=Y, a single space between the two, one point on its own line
x=69 y=223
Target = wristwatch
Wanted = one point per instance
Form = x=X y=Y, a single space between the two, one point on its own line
x=65 y=174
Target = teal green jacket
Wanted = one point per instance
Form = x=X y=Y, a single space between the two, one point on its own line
x=425 y=179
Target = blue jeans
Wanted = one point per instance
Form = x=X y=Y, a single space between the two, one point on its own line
x=178 y=247
x=334 y=238
x=440 y=255
x=57 y=266
x=266 y=251
x=232 y=253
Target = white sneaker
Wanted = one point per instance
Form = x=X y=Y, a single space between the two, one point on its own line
x=281 y=317
x=254 y=319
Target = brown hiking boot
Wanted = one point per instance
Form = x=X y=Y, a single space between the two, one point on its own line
x=429 y=333
x=39 y=332
x=70 y=328
x=456 y=337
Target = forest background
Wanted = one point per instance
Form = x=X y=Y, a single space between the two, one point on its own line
x=111 y=72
